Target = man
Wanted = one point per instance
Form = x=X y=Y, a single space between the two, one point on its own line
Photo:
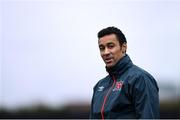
x=127 y=91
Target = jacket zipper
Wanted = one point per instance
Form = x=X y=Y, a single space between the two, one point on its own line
x=104 y=102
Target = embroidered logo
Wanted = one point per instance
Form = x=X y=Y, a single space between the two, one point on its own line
x=101 y=88
x=118 y=86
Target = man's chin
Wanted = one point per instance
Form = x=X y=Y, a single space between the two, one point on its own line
x=109 y=65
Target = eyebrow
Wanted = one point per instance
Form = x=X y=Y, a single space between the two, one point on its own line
x=110 y=43
x=107 y=43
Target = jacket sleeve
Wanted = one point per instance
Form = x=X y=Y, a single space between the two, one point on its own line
x=146 y=98
x=91 y=111
x=91 y=115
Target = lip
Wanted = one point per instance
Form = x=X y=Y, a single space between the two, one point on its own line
x=108 y=60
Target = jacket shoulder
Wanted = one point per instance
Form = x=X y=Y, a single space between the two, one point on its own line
x=139 y=72
x=140 y=76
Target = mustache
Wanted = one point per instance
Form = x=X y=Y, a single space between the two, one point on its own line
x=107 y=57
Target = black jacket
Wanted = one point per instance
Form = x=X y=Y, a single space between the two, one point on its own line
x=127 y=92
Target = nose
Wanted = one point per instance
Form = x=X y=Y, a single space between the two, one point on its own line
x=106 y=51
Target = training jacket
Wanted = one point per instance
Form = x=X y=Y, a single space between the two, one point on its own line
x=127 y=92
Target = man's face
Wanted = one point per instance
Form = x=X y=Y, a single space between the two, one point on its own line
x=111 y=50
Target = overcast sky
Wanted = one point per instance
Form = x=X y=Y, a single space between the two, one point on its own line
x=49 y=50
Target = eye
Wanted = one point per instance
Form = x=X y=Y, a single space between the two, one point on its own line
x=110 y=46
x=101 y=48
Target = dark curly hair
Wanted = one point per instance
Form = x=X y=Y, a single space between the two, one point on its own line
x=113 y=30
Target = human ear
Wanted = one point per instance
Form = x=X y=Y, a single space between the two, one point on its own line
x=124 y=47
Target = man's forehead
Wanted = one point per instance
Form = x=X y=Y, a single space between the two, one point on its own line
x=107 y=39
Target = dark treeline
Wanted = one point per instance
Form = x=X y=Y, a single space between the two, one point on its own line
x=78 y=111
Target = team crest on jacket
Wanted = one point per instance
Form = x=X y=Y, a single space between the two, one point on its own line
x=118 y=86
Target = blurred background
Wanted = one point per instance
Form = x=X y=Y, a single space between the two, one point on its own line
x=49 y=56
